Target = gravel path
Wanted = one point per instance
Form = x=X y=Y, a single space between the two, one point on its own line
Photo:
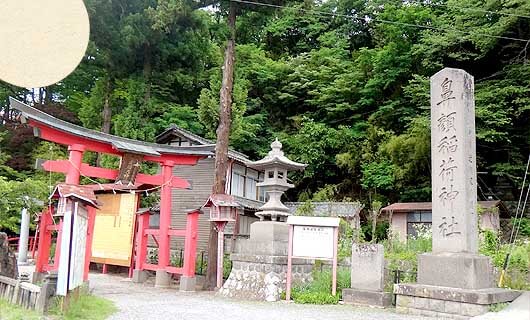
x=143 y=301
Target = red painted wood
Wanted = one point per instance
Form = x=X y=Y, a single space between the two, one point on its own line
x=152 y=231
x=165 y=216
x=104 y=270
x=89 y=238
x=76 y=159
x=141 y=241
x=149 y=266
x=45 y=241
x=55 y=265
x=190 y=244
x=174 y=270
x=63 y=166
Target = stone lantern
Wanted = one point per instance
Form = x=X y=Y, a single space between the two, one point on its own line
x=259 y=263
x=275 y=165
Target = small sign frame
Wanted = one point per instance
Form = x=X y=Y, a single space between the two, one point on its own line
x=312 y=238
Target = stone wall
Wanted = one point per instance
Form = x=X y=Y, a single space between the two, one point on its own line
x=263 y=277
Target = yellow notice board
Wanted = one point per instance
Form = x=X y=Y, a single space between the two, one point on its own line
x=114 y=229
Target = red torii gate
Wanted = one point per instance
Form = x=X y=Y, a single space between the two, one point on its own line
x=79 y=140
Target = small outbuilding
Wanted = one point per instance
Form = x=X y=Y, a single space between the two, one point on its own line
x=405 y=216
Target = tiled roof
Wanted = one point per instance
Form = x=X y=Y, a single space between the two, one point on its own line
x=330 y=209
x=175 y=130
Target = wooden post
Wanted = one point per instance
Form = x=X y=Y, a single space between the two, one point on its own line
x=165 y=215
x=190 y=244
x=89 y=238
x=289 y=263
x=335 y=251
x=141 y=241
x=58 y=246
x=220 y=252
x=76 y=159
x=45 y=239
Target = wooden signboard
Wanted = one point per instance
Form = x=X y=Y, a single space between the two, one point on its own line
x=114 y=229
x=73 y=246
x=312 y=238
x=129 y=167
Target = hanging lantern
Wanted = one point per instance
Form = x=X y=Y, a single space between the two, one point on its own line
x=223 y=209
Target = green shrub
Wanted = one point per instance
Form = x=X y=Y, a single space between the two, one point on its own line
x=404 y=255
x=524 y=229
x=318 y=291
x=381 y=231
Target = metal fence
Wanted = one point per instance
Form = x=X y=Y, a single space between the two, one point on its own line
x=399 y=276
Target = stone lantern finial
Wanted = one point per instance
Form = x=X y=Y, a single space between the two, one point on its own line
x=276 y=147
x=275 y=165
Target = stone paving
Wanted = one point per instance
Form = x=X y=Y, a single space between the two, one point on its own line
x=143 y=301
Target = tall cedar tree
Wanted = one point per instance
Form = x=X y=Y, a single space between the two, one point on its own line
x=223 y=136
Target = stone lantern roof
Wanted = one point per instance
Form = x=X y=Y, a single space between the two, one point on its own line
x=276 y=158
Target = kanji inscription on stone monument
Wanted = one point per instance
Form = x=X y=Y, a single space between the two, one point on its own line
x=454 y=188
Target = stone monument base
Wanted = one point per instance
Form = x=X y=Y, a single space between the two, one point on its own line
x=456 y=270
x=366 y=297
x=452 y=303
x=259 y=264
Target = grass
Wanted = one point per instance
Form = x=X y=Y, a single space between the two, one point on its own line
x=496 y=307
x=318 y=291
x=86 y=307
x=10 y=311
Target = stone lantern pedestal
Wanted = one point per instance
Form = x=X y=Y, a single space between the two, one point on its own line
x=259 y=264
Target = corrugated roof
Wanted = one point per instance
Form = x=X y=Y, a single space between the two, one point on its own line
x=427 y=206
x=119 y=143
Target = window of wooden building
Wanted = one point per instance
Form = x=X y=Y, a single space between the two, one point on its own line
x=244 y=183
x=418 y=218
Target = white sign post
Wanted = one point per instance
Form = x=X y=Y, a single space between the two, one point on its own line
x=312 y=238
x=73 y=246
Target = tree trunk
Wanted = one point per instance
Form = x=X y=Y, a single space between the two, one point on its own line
x=147 y=73
x=223 y=135
x=107 y=112
x=48 y=95
x=106 y=115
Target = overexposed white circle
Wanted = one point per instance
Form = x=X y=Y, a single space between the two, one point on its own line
x=41 y=41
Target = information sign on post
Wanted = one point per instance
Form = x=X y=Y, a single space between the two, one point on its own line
x=312 y=238
x=73 y=245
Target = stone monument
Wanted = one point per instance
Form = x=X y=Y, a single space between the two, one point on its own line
x=8 y=260
x=367 y=277
x=453 y=280
x=259 y=264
